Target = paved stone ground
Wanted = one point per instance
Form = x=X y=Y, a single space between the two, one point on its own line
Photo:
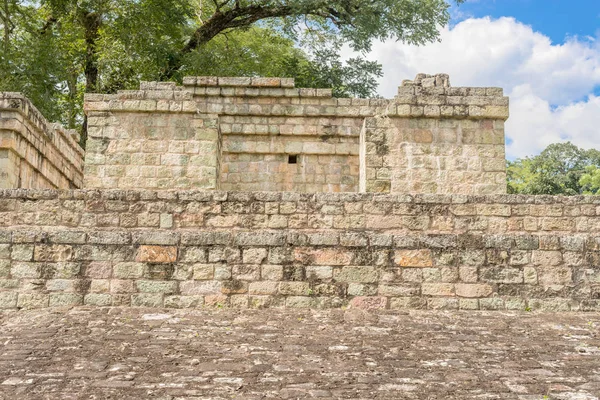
x=114 y=353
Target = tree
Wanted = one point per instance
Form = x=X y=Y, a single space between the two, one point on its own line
x=590 y=180
x=358 y=22
x=264 y=52
x=56 y=50
x=558 y=170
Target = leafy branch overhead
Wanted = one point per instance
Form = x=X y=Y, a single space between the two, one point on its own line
x=356 y=21
x=56 y=50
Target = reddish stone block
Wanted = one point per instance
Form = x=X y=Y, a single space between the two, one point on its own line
x=157 y=254
x=323 y=256
x=369 y=303
x=413 y=258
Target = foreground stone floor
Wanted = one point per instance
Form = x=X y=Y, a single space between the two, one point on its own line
x=117 y=353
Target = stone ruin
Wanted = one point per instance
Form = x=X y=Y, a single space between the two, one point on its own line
x=249 y=192
x=427 y=81
x=263 y=134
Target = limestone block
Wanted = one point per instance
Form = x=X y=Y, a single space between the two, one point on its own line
x=356 y=274
x=157 y=254
x=97 y=299
x=473 y=290
x=65 y=299
x=154 y=300
x=413 y=258
x=8 y=300
x=129 y=270
x=32 y=300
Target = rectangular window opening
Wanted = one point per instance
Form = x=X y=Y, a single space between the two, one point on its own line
x=292 y=159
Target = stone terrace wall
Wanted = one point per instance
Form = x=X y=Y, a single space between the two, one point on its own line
x=241 y=249
x=34 y=153
x=264 y=121
x=265 y=134
x=153 y=139
x=441 y=140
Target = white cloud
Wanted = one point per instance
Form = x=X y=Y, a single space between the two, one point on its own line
x=550 y=85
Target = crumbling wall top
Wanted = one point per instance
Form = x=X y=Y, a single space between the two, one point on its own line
x=14 y=101
x=425 y=80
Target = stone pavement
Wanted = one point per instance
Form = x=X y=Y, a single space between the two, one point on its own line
x=125 y=353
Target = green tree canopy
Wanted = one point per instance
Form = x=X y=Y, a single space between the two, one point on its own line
x=559 y=170
x=56 y=50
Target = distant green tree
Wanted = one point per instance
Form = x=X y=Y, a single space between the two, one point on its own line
x=590 y=180
x=558 y=170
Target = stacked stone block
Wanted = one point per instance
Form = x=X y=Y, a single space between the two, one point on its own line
x=197 y=248
x=152 y=138
x=275 y=137
x=34 y=153
x=439 y=140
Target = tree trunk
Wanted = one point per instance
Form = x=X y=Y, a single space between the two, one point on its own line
x=6 y=27
x=91 y=23
x=218 y=23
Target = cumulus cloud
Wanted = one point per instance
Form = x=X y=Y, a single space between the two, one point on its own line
x=550 y=85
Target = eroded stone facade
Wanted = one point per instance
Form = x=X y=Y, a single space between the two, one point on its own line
x=246 y=134
x=268 y=249
x=35 y=154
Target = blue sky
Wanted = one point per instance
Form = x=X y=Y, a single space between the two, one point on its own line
x=557 y=19
x=560 y=20
x=545 y=54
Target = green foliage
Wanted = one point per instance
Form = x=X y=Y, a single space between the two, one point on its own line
x=355 y=78
x=250 y=52
x=56 y=50
x=561 y=169
x=590 y=180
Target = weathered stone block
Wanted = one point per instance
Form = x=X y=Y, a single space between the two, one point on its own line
x=166 y=287
x=183 y=301
x=97 y=299
x=60 y=285
x=294 y=288
x=369 y=303
x=263 y=288
x=32 y=300
x=326 y=256
x=53 y=253
x=501 y=274
x=25 y=270
x=122 y=286
x=157 y=254
x=557 y=275
x=272 y=272
x=194 y=288
x=203 y=271
x=8 y=300
x=154 y=300
x=356 y=274
x=438 y=289
x=318 y=273
x=129 y=270
x=413 y=258
x=254 y=255
x=401 y=303
x=65 y=299
x=21 y=252
x=473 y=290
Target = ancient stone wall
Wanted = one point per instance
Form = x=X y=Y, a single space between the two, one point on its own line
x=251 y=134
x=34 y=153
x=270 y=249
x=154 y=138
